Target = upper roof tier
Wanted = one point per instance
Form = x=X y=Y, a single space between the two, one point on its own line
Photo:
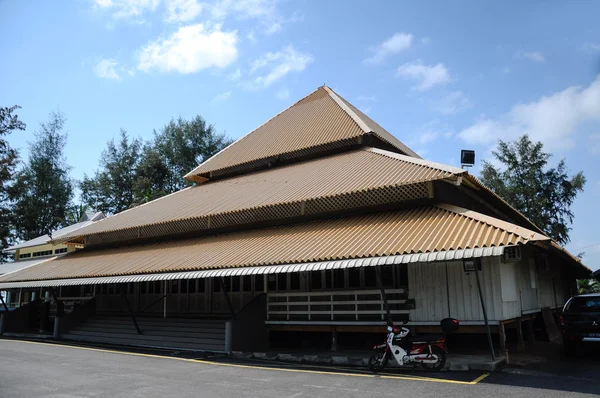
x=367 y=175
x=320 y=122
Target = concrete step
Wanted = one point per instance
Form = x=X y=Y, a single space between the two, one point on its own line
x=152 y=331
x=159 y=323
x=144 y=343
x=144 y=336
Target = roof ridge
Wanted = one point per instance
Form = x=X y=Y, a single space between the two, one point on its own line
x=357 y=119
x=419 y=161
x=493 y=221
x=191 y=174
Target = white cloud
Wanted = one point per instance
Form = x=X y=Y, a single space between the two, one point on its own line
x=366 y=110
x=106 y=69
x=551 y=119
x=127 y=9
x=264 y=11
x=451 y=103
x=535 y=56
x=592 y=47
x=283 y=94
x=427 y=75
x=276 y=66
x=395 y=44
x=221 y=97
x=190 y=49
x=235 y=76
x=506 y=70
x=183 y=10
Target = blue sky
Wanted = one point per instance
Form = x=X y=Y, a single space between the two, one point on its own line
x=439 y=76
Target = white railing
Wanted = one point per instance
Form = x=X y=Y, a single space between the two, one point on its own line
x=330 y=305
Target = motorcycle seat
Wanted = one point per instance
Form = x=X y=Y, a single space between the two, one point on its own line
x=425 y=338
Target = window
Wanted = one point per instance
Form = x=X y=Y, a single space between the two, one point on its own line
x=174 y=287
x=25 y=255
x=370 y=277
x=216 y=285
x=338 y=278
x=143 y=287
x=42 y=253
x=282 y=282
x=235 y=283
x=584 y=304
x=201 y=285
x=192 y=285
x=184 y=286
x=259 y=283
x=157 y=287
x=272 y=283
x=247 y=283
x=315 y=280
x=60 y=251
x=295 y=281
x=354 y=278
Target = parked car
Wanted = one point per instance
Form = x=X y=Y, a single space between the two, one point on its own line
x=580 y=321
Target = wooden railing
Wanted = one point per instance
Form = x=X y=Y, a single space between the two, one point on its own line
x=345 y=305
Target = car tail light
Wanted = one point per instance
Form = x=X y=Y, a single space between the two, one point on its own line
x=561 y=319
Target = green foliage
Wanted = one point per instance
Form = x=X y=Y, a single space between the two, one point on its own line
x=43 y=189
x=9 y=122
x=585 y=286
x=131 y=173
x=182 y=145
x=543 y=194
x=111 y=190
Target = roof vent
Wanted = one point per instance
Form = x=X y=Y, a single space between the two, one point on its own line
x=512 y=254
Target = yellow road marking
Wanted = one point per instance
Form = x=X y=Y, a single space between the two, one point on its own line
x=233 y=365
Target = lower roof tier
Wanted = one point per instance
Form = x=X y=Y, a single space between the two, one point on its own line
x=427 y=229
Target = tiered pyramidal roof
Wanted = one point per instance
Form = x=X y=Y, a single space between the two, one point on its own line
x=320 y=122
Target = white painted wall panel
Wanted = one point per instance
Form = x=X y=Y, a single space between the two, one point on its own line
x=444 y=289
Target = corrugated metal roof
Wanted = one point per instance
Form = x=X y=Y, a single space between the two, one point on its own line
x=320 y=120
x=45 y=239
x=419 y=230
x=450 y=255
x=359 y=170
x=14 y=266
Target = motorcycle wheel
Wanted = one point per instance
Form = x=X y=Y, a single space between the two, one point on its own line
x=441 y=355
x=378 y=361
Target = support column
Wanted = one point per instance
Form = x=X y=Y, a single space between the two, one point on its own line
x=334 y=338
x=520 y=341
x=502 y=336
x=56 y=333
x=530 y=335
x=165 y=299
x=2 y=320
x=228 y=336
x=20 y=296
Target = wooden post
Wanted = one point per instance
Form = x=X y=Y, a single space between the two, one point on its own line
x=334 y=339
x=520 y=341
x=530 y=335
x=502 y=336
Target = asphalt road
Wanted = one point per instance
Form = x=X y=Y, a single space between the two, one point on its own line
x=30 y=369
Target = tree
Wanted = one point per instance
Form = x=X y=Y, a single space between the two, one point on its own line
x=543 y=194
x=9 y=157
x=43 y=189
x=183 y=145
x=585 y=286
x=111 y=189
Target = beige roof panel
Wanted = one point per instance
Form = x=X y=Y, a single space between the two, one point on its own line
x=420 y=230
x=360 y=170
x=320 y=121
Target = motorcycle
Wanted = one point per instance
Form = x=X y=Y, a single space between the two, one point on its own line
x=427 y=351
